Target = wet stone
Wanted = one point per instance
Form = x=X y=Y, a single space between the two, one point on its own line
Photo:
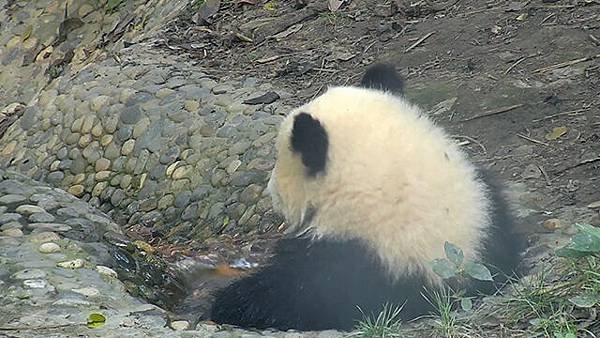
x=128 y=147
x=41 y=217
x=183 y=199
x=47 y=226
x=124 y=133
x=11 y=225
x=28 y=209
x=169 y=156
x=12 y=198
x=13 y=232
x=9 y=217
x=29 y=274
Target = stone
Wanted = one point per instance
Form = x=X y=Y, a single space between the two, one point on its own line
x=44 y=236
x=14 y=232
x=97 y=103
x=181 y=172
x=78 y=178
x=106 y=271
x=12 y=198
x=251 y=194
x=180 y=325
x=106 y=140
x=131 y=115
x=98 y=188
x=84 y=140
x=87 y=291
x=35 y=283
x=140 y=127
x=76 y=190
x=97 y=130
x=239 y=148
x=165 y=201
x=128 y=147
x=58 y=227
x=29 y=274
x=183 y=199
x=103 y=175
x=76 y=126
x=112 y=152
x=191 y=105
x=73 y=264
x=169 y=156
x=552 y=224
x=9 y=217
x=164 y=92
x=41 y=217
x=125 y=94
x=233 y=166
x=88 y=123
x=102 y=164
x=49 y=247
x=11 y=225
x=110 y=124
x=28 y=209
x=125 y=182
x=55 y=177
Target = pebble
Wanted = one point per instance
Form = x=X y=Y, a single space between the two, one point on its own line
x=106 y=271
x=180 y=325
x=44 y=236
x=49 y=247
x=35 y=283
x=29 y=274
x=552 y=224
x=87 y=291
x=76 y=190
x=73 y=264
x=12 y=198
x=28 y=209
x=13 y=232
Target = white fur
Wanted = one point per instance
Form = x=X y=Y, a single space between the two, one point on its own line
x=392 y=178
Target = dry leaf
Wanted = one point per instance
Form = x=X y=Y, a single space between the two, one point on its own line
x=556 y=133
x=206 y=11
x=334 y=5
x=291 y=30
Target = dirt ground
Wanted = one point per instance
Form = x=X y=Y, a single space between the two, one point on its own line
x=503 y=74
x=516 y=82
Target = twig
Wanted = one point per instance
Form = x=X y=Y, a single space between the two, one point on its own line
x=514 y=65
x=419 y=42
x=547 y=18
x=472 y=140
x=494 y=112
x=566 y=64
x=595 y=40
x=532 y=139
x=576 y=111
x=546 y=177
x=584 y=162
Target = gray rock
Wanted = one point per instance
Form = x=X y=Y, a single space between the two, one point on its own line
x=55 y=177
x=131 y=114
x=10 y=225
x=190 y=213
x=56 y=227
x=10 y=217
x=245 y=178
x=124 y=133
x=28 y=209
x=41 y=217
x=169 y=156
x=12 y=198
x=183 y=199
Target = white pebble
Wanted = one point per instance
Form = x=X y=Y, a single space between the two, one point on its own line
x=106 y=271
x=49 y=247
x=74 y=264
x=35 y=283
x=88 y=291
x=180 y=325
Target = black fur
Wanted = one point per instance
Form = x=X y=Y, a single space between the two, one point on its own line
x=503 y=246
x=318 y=284
x=310 y=140
x=383 y=77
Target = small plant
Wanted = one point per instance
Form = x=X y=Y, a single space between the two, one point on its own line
x=387 y=324
x=454 y=265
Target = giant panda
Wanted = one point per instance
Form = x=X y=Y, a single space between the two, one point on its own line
x=371 y=189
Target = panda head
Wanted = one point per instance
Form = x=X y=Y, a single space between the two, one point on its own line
x=304 y=153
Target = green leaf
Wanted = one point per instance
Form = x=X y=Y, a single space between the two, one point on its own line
x=590 y=229
x=444 y=268
x=585 y=242
x=454 y=253
x=478 y=271
x=586 y=300
x=570 y=253
x=466 y=304
x=95 y=320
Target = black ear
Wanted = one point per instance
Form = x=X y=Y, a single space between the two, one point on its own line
x=383 y=77
x=309 y=139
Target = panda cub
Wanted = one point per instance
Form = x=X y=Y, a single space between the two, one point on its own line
x=371 y=189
